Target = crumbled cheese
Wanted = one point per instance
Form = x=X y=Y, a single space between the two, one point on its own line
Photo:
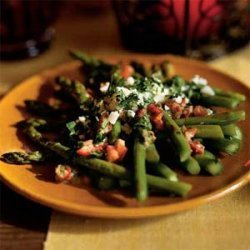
x=166 y=91
x=147 y=95
x=159 y=98
x=140 y=99
x=82 y=119
x=166 y=107
x=134 y=107
x=134 y=91
x=178 y=99
x=199 y=80
x=184 y=88
x=187 y=100
x=120 y=110
x=131 y=113
x=210 y=111
x=156 y=89
x=124 y=90
x=88 y=143
x=207 y=90
x=130 y=81
x=113 y=116
x=104 y=87
x=121 y=142
x=156 y=77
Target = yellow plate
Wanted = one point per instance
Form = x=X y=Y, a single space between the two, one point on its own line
x=37 y=182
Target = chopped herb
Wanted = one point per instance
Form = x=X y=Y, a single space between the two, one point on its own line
x=71 y=126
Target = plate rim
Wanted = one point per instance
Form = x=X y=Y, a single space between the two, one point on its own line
x=121 y=212
x=131 y=212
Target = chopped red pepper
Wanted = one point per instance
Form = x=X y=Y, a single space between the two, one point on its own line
x=200 y=111
x=154 y=109
x=63 y=173
x=141 y=112
x=247 y=164
x=126 y=71
x=197 y=147
x=121 y=148
x=189 y=133
x=111 y=153
x=156 y=114
x=116 y=152
x=89 y=148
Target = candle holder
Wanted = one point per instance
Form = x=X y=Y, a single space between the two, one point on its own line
x=25 y=29
x=202 y=29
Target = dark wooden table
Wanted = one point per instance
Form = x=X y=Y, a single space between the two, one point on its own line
x=23 y=223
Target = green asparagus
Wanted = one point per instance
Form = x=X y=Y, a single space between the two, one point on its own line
x=24 y=158
x=209 y=163
x=163 y=170
x=229 y=94
x=191 y=166
x=228 y=146
x=220 y=101
x=140 y=171
x=116 y=130
x=232 y=131
x=208 y=131
x=75 y=88
x=216 y=119
x=180 y=142
x=152 y=156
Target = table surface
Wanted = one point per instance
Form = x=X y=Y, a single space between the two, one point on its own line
x=23 y=222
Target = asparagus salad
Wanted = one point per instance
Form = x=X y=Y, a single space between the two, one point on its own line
x=132 y=127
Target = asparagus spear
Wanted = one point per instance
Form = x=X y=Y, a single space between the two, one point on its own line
x=24 y=158
x=161 y=184
x=217 y=119
x=106 y=183
x=115 y=132
x=228 y=146
x=75 y=88
x=167 y=69
x=232 y=131
x=209 y=163
x=220 y=101
x=42 y=109
x=87 y=60
x=163 y=170
x=229 y=94
x=95 y=70
x=140 y=171
x=208 y=131
x=152 y=156
x=103 y=167
x=140 y=68
x=177 y=137
x=57 y=147
x=42 y=125
x=117 y=171
x=191 y=166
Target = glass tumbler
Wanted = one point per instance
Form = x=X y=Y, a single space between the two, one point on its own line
x=202 y=29
x=25 y=27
